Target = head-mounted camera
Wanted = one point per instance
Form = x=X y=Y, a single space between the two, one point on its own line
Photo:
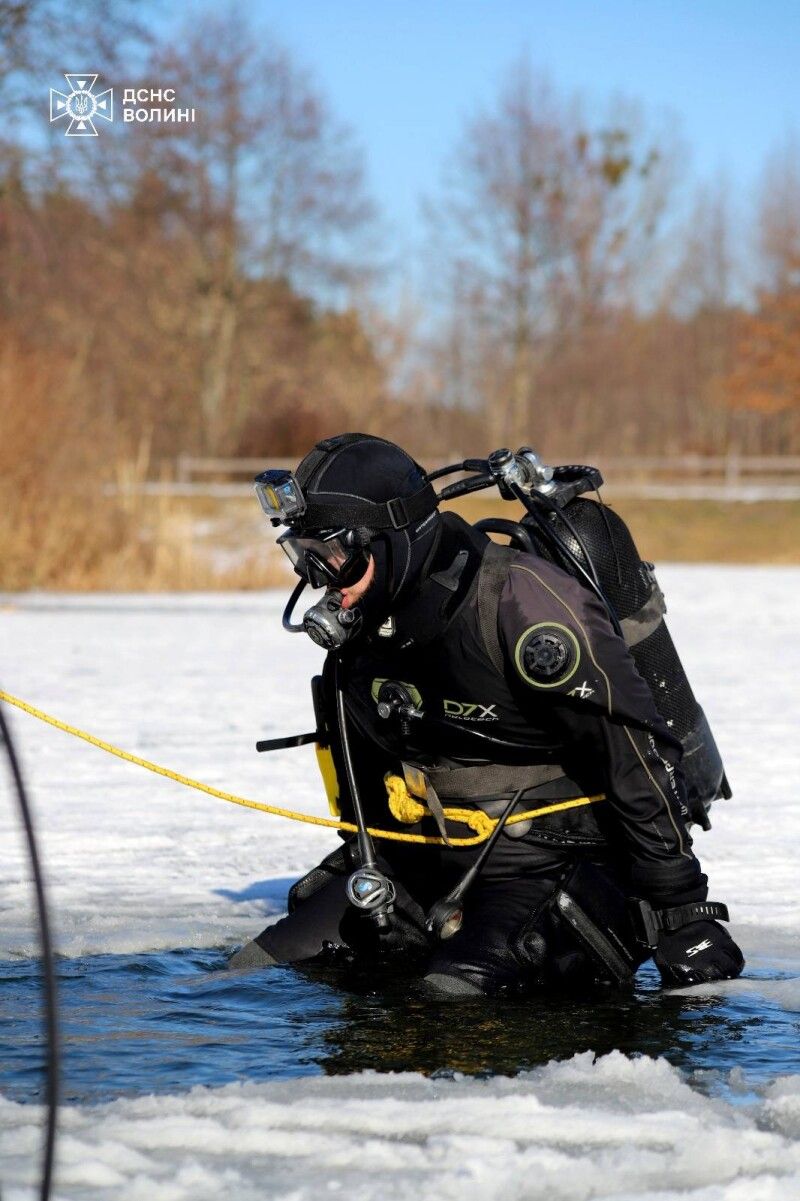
x=280 y=495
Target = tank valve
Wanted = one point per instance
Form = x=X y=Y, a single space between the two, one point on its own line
x=523 y=470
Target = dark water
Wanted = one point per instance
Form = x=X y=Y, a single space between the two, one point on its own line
x=163 y=1022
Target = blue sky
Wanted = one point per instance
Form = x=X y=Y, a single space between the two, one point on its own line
x=405 y=73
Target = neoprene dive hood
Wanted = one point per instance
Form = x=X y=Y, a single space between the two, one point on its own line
x=353 y=498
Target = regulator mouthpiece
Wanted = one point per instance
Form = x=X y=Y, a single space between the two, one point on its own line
x=329 y=625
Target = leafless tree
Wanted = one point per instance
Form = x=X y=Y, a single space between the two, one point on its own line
x=265 y=185
x=778 y=216
x=543 y=222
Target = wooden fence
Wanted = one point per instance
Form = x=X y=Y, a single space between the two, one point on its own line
x=730 y=477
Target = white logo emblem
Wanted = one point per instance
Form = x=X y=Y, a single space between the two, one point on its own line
x=698 y=947
x=469 y=710
x=583 y=691
x=81 y=104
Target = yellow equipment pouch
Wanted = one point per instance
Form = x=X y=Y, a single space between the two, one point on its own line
x=330 y=780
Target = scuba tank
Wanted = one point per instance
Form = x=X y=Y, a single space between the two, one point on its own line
x=592 y=542
x=631 y=586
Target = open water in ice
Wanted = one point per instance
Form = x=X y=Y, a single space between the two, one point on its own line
x=182 y=1080
x=166 y=1021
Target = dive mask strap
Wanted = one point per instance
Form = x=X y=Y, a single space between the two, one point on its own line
x=328 y=509
x=281 y=497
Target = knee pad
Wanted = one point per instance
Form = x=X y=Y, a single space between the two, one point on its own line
x=470 y=964
x=446 y=987
x=340 y=862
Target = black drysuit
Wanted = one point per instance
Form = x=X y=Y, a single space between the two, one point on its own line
x=527 y=682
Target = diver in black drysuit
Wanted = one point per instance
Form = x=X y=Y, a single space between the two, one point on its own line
x=524 y=689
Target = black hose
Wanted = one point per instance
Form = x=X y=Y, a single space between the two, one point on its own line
x=366 y=847
x=572 y=559
x=553 y=508
x=440 y=471
x=48 y=964
x=286 y=620
x=464 y=487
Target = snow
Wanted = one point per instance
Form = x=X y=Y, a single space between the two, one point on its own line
x=615 y=1127
x=134 y=862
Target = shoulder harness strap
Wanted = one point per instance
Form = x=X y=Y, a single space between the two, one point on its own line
x=491 y=578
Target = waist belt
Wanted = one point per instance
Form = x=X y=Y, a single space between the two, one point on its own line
x=490 y=781
x=407 y=794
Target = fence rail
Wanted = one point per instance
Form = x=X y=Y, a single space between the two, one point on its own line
x=670 y=477
x=730 y=465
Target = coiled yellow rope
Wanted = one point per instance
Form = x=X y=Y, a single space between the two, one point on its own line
x=412 y=811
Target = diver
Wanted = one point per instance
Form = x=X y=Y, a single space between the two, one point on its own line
x=501 y=704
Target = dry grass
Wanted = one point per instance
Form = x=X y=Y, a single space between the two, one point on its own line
x=139 y=544
x=686 y=531
x=95 y=540
x=72 y=512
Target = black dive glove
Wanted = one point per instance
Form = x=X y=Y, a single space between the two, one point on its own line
x=702 y=951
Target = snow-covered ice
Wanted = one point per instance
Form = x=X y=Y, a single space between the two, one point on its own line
x=616 y=1128
x=135 y=862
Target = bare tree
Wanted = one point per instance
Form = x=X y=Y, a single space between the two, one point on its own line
x=709 y=271
x=38 y=36
x=778 y=216
x=543 y=222
x=264 y=187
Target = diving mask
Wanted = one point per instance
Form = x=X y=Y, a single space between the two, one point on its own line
x=327 y=558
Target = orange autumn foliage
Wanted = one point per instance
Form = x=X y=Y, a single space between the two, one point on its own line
x=765 y=376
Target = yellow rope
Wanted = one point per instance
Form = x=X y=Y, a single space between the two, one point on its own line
x=476 y=817
x=404 y=807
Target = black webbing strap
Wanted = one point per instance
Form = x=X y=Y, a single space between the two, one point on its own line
x=281 y=744
x=697 y=911
x=420 y=786
x=329 y=509
x=649 y=922
x=492 y=575
x=490 y=779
